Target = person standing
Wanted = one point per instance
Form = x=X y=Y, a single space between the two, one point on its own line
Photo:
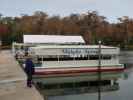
x=0 y=45
x=29 y=69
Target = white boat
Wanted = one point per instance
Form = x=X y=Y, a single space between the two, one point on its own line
x=60 y=59
x=74 y=63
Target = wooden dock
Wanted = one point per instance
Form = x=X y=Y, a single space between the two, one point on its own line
x=13 y=80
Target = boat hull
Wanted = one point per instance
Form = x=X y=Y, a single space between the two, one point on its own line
x=63 y=75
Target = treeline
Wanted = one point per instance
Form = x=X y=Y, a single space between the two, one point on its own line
x=91 y=26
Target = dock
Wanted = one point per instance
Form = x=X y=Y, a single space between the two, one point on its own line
x=13 y=80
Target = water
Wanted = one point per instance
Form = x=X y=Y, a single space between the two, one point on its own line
x=125 y=91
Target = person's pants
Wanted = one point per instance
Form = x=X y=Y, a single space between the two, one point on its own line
x=29 y=81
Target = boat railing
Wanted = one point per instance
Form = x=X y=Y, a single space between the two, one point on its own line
x=79 y=63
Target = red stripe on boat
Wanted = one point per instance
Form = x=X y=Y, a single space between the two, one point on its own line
x=72 y=71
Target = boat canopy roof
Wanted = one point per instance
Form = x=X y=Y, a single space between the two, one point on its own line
x=53 y=39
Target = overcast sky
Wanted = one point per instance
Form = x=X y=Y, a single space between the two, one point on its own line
x=112 y=9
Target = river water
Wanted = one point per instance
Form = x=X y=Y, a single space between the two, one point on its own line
x=125 y=91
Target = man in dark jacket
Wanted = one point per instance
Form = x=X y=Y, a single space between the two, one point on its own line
x=29 y=69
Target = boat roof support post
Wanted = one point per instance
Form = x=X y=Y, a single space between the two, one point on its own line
x=58 y=58
x=42 y=59
x=99 y=72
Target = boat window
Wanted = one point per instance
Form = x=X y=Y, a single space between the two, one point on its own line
x=114 y=56
x=96 y=57
x=106 y=57
x=67 y=58
x=39 y=59
x=93 y=57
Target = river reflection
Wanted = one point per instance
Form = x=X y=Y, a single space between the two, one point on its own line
x=77 y=88
x=124 y=92
x=125 y=84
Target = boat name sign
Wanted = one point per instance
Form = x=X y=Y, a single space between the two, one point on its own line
x=80 y=51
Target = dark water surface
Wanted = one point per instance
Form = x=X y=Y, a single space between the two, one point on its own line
x=125 y=91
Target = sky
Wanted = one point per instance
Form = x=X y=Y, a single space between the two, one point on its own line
x=111 y=9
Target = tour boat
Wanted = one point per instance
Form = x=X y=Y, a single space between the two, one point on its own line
x=73 y=63
x=60 y=59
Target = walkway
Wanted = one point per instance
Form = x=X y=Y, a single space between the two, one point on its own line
x=13 y=80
